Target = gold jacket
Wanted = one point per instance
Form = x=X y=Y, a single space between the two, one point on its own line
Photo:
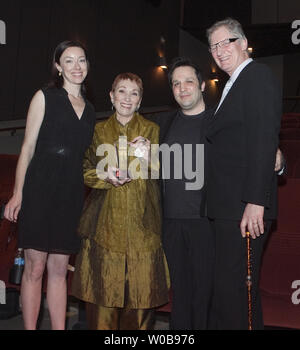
x=121 y=230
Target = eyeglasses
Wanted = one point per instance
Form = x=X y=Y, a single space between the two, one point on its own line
x=224 y=43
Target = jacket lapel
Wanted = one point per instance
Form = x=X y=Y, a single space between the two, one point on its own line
x=230 y=92
x=165 y=128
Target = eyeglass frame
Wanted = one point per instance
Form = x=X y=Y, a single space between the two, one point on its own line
x=224 y=42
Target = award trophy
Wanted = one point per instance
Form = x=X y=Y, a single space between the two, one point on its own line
x=122 y=158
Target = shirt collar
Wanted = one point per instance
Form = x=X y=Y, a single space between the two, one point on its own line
x=124 y=128
x=237 y=72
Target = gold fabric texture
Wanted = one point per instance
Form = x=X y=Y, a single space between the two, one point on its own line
x=121 y=230
x=105 y=318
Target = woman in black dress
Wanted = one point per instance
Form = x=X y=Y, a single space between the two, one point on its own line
x=48 y=192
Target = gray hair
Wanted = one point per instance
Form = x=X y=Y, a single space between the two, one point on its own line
x=231 y=24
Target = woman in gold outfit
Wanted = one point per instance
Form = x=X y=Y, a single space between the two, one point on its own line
x=121 y=270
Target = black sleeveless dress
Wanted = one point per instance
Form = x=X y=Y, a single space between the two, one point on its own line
x=53 y=191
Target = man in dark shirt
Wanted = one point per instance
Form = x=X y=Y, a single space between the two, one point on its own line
x=187 y=237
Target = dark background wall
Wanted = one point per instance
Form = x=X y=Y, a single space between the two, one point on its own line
x=202 y=14
x=120 y=35
x=125 y=35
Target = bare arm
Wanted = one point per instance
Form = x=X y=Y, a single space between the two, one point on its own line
x=34 y=120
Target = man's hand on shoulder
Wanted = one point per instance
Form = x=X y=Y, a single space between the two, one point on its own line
x=279 y=162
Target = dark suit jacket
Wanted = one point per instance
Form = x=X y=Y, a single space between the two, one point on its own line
x=164 y=120
x=242 y=141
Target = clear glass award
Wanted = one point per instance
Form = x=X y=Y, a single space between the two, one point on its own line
x=121 y=148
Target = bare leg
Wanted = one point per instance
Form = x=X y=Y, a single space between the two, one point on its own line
x=57 y=266
x=31 y=287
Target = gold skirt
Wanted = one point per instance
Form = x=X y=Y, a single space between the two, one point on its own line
x=100 y=277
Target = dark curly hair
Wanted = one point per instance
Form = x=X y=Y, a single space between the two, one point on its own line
x=183 y=62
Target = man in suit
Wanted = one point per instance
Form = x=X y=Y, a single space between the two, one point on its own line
x=240 y=180
x=187 y=237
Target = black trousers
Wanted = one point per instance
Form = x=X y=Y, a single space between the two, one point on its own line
x=230 y=301
x=189 y=248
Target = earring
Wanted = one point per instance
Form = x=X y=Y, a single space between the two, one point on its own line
x=59 y=74
x=112 y=107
